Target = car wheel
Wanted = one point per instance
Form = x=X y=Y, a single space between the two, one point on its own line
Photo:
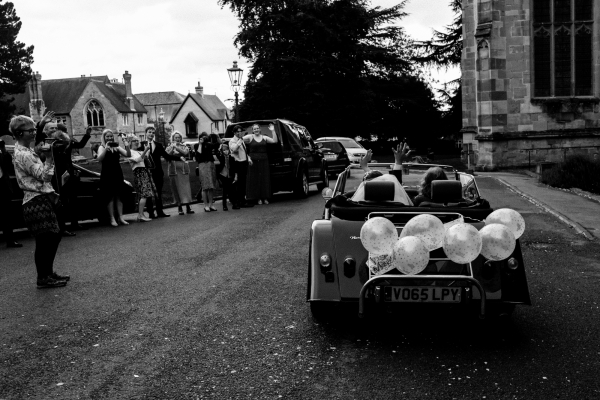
x=325 y=176
x=302 y=185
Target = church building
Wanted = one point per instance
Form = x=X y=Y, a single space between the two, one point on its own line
x=530 y=80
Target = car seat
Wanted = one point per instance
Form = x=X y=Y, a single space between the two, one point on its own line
x=379 y=191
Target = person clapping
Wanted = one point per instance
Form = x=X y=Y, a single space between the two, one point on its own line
x=142 y=180
x=111 y=175
x=179 y=173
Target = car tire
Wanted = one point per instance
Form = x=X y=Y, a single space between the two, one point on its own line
x=302 y=185
x=325 y=179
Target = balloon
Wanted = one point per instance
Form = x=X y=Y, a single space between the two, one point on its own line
x=426 y=227
x=508 y=217
x=380 y=264
x=378 y=235
x=448 y=225
x=327 y=193
x=498 y=242
x=462 y=243
x=411 y=256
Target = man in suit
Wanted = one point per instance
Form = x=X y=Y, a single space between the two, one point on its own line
x=157 y=151
x=6 y=169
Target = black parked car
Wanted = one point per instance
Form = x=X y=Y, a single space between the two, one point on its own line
x=295 y=160
x=89 y=203
x=336 y=157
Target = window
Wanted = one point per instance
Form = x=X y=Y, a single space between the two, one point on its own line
x=125 y=119
x=140 y=118
x=94 y=114
x=60 y=120
x=562 y=47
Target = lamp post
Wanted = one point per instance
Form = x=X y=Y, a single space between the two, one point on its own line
x=235 y=76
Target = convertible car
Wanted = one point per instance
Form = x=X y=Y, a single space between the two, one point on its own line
x=340 y=269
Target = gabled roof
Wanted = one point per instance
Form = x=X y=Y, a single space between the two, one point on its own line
x=212 y=106
x=158 y=98
x=61 y=95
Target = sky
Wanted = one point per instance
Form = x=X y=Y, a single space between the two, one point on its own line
x=166 y=45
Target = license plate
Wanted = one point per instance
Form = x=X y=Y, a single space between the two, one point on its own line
x=330 y=156
x=411 y=294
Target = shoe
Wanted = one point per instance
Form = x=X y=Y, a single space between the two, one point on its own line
x=13 y=244
x=113 y=222
x=58 y=277
x=77 y=227
x=212 y=208
x=260 y=202
x=67 y=233
x=142 y=219
x=49 y=282
x=265 y=201
x=190 y=211
x=123 y=222
x=152 y=216
x=163 y=215
x=225 y=208
x=180 y=211
x=206 y=209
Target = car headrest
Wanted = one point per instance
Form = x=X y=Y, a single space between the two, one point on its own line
x=379 y=191
x=446 y=191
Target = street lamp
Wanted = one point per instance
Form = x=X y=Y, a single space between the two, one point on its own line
x=235 y=76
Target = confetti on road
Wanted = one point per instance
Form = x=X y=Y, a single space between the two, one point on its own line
x=59 y=384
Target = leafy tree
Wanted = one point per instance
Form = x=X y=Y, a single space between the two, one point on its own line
x=15 y=62
x=337 y=66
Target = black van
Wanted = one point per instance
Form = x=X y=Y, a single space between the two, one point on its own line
x=295 y=160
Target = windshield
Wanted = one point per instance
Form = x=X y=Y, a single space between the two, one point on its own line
x=350 y=144
x=335 y=147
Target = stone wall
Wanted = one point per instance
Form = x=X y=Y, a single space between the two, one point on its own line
x=498 y=103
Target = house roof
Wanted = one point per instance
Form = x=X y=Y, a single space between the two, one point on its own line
x=158 y=98
x=212 y=106
x=61 y=95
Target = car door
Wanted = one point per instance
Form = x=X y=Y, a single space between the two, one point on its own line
x=311 y=154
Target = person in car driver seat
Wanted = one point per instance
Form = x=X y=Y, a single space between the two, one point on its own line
x=400 y=195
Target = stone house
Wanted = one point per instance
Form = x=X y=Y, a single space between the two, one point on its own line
x=95 y=101
x=160 y=102
x=530 y=80
x=200 y=112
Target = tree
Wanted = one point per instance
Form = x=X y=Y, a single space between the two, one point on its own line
x=335 y=66
x=15 y=62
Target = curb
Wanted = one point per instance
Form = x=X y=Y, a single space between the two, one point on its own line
x=576 y=191
x=578 y=228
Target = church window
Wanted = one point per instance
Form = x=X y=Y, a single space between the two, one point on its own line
x=562 y=48
x=94 y=114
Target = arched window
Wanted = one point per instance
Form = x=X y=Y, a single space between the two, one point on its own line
x=94 y=113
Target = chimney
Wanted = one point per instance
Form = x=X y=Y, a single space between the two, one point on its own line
x=36 y=102
x=200 y=90
x=129 y=93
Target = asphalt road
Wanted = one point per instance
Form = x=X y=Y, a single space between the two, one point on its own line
x=212 y=305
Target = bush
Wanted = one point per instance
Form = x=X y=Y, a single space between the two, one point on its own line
x=577 y=171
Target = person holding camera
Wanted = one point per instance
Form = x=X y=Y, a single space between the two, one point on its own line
x=111 y=175
x=240 y=154
x=179 y=173
x=39 y=200
x=144 y=186
x=157 y=151
x=204 y=151
x=226 y=174
x=6 y=169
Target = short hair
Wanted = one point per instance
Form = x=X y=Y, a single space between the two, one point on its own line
x=253 y=125
x=372 y=174
x=50 y=124
x=176 y=133
x=18 y=122
x=148 y=128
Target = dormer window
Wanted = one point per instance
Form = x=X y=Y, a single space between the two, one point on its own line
x=95 y=114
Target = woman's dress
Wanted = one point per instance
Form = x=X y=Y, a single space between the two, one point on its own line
x=258 y=185
x=206 y=166
x=142 y=180
x=179 y=175
x=111 y=176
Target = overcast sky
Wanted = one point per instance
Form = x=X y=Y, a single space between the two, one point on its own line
x=166 y=45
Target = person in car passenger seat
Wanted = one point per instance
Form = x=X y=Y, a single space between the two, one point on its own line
x=432 y=174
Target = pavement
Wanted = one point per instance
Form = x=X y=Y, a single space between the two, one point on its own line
x=578 y=209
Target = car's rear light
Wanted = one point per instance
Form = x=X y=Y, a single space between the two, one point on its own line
x=349 y=267
x=325 y=261
x=512 y=263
